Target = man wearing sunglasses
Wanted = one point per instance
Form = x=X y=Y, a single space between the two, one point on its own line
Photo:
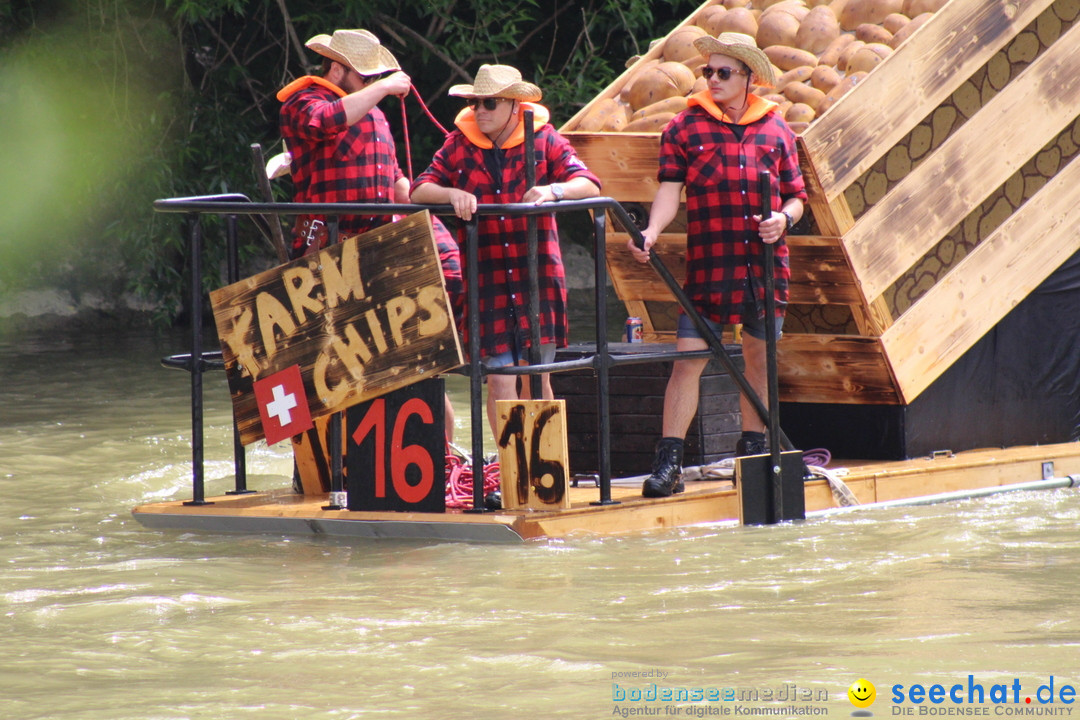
x=483 y=161
x=714 y=150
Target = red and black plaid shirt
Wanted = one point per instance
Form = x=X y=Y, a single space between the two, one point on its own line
x=724 y=252
x=333 y=161
x=336 y=162
x=502 y=243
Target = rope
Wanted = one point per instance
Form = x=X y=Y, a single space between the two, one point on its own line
x=817 y=456
x=408 y=145
x=459 y=480
x=428 y=112
x=405 y=127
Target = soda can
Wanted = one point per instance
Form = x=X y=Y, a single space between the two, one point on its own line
x=633 y=329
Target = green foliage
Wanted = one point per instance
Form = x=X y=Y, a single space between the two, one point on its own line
x=168 y=98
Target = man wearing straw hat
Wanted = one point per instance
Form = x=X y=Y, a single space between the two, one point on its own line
x=714 y=151
x=483 y=161
x=342 y=150
x=340 y=142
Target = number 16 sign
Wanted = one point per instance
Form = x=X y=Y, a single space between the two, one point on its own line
x=533 y=454
x=396 y=456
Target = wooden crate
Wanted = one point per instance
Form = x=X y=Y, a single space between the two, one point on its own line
x=636 y=406
x=943 y=190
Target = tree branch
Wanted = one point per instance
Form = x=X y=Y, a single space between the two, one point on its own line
x=290 y=30
x=385 y=21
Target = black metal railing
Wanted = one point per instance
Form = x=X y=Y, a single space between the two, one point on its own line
x=601 y=361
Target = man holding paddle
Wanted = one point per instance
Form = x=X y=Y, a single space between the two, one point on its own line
x=714 y=150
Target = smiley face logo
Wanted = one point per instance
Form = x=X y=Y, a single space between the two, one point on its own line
x=862 y=693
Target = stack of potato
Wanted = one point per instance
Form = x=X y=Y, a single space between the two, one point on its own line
x=819 y=52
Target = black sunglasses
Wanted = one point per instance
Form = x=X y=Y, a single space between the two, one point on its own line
x=488 y=103
x=723 y=73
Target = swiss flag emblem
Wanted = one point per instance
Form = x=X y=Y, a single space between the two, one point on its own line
x=282 y=405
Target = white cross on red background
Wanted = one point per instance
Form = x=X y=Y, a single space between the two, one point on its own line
x=281 y=405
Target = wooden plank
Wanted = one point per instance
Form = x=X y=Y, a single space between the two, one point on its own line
x=359 y=319
x=310 y=452
x=842 y=369
x=870 y=119
x=893 y=234
x=637 y=281
x=534 y=457
x=976 y=294
x=833 y=217
x=819 y=271
x=627 y=163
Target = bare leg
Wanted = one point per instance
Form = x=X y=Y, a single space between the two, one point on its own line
x=681 y=395
x=448 y=419
x=545 y=387
x=500 y=387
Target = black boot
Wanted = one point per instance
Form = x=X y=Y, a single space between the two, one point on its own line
x=751 y=443
x=666 y=478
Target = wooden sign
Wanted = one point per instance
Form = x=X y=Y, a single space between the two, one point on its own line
x=395 y=450
x=534 y=457
x=358 y=319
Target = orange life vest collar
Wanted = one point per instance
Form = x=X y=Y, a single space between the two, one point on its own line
x=307 y=81
x=466 y=123
x=756 y=107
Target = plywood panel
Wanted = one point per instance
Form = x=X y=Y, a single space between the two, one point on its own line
x=534 y=457
x=627 y=163
x=986 y=284
x=359 y=319
x=978 y=158
x=869 y=120
x=842 y=369
x=819 y=270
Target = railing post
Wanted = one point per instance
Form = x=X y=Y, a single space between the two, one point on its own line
x=602 y=359
x=533 y=261
x=773 y=391
x=476 y=368
x=338 y=494
x=232 y=257
x=195 y=252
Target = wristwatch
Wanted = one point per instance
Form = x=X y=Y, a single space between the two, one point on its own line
x=557 y=191
x=790 y=220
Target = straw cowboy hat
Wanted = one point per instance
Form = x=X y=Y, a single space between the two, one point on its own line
x=741 y=47
x=498 y=81
x=357 y=49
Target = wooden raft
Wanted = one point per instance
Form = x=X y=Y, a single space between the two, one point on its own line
x=931 y=213
x=705 y=501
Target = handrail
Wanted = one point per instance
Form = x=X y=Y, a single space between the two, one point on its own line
x=235 y=204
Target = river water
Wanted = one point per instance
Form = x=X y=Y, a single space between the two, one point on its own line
x=102 y=619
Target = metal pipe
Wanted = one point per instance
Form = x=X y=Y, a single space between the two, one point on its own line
x=476 y=368
x=533 y=260
x=198 y=496
x=603 y=361
x=338 y=496
x=232 y=256
x=773 y=424
x=1070 y=481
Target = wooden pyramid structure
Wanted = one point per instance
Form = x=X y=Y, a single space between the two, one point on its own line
x=944 y=188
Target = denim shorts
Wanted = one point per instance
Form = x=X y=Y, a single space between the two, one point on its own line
x=506 y=359
x=753 y=327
